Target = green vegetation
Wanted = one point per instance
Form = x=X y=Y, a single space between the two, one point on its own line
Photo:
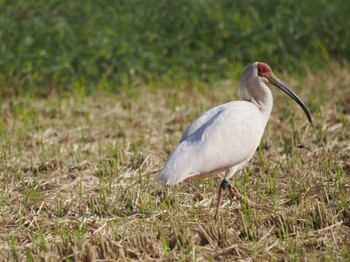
x=95 y=95
x=52 y=44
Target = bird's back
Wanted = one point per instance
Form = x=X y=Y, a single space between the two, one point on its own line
x=222 y=137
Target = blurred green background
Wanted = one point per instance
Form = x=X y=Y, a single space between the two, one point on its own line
x=50 y=45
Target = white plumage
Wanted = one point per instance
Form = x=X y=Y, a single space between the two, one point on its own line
x=225 y=138
x=211 y=143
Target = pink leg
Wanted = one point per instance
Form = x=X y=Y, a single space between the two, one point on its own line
x=222 y=187
x=219 y=202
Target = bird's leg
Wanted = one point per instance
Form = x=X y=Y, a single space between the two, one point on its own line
x=234 y=192
x=222 y=187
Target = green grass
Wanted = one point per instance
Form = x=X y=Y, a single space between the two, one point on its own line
x=78 y=177
x=50 y=46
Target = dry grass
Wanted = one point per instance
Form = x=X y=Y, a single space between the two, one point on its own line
x=78 y=179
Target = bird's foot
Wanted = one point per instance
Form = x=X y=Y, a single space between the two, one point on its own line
x=233 y=190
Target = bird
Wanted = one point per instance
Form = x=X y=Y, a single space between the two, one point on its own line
x=224 y=139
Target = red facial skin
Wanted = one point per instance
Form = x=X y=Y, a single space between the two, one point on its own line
x=264 y=70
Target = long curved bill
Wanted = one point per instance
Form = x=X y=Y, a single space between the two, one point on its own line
x=274 y=80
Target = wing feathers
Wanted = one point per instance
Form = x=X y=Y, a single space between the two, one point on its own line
x=223 y=137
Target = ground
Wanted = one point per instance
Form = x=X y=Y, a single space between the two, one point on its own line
x=78 y=177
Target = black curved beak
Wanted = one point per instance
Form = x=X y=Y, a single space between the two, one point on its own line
x=274 y=80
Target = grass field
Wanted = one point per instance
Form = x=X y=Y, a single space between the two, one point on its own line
x=78 y=177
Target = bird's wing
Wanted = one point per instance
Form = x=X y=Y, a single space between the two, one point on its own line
x=202 y=120
x=229 y=137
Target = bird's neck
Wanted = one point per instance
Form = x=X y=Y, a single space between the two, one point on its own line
x=254 y=90
x=264 y=101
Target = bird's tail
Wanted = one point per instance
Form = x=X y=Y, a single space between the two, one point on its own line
x=169 y=177
x=176 y=168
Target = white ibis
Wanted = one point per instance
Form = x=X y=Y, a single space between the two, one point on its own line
x=224 y=139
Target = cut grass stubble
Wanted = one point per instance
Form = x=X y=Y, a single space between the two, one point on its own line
x=78 y=178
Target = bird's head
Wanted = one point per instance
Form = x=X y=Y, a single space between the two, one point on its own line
x=253 y=85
